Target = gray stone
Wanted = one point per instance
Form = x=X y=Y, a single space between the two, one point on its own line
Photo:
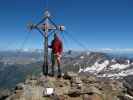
x=19 y=86
x=74 y=92
x=91 y=90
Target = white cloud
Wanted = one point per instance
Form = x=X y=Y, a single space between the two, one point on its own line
x=113 y=50
x=126 y=49
x=107 y=49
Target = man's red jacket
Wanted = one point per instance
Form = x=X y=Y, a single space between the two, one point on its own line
x=56 y=46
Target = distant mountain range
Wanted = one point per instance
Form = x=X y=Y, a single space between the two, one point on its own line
x=16 y=66
x=106 y=65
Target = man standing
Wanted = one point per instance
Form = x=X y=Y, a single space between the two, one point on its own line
x=57 y=49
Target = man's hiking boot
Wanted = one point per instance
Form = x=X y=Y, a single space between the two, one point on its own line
x=51 y=74
x=59 y=76
x=45 y=74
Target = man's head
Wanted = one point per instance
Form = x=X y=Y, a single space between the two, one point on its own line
x=55 y=35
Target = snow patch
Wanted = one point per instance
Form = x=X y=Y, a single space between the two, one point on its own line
x=82 y=57
x=88 y=53
x=119 y=66
x=97 y=67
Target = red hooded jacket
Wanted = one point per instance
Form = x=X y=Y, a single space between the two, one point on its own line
x=57 y=46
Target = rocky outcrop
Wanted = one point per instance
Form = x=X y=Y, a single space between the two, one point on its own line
x=74 y=87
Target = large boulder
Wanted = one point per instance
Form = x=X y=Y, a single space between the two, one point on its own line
x=74 y=92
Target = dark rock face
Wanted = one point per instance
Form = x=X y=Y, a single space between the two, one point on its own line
x=128 y=83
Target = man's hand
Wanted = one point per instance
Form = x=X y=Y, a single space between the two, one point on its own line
x=58 y=57
x=49 y=46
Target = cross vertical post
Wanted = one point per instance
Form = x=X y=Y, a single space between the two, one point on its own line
x=45 y=64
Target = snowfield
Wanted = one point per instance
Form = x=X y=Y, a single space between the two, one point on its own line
x=111 y=69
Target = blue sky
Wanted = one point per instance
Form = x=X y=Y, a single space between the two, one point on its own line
x=94 y=23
